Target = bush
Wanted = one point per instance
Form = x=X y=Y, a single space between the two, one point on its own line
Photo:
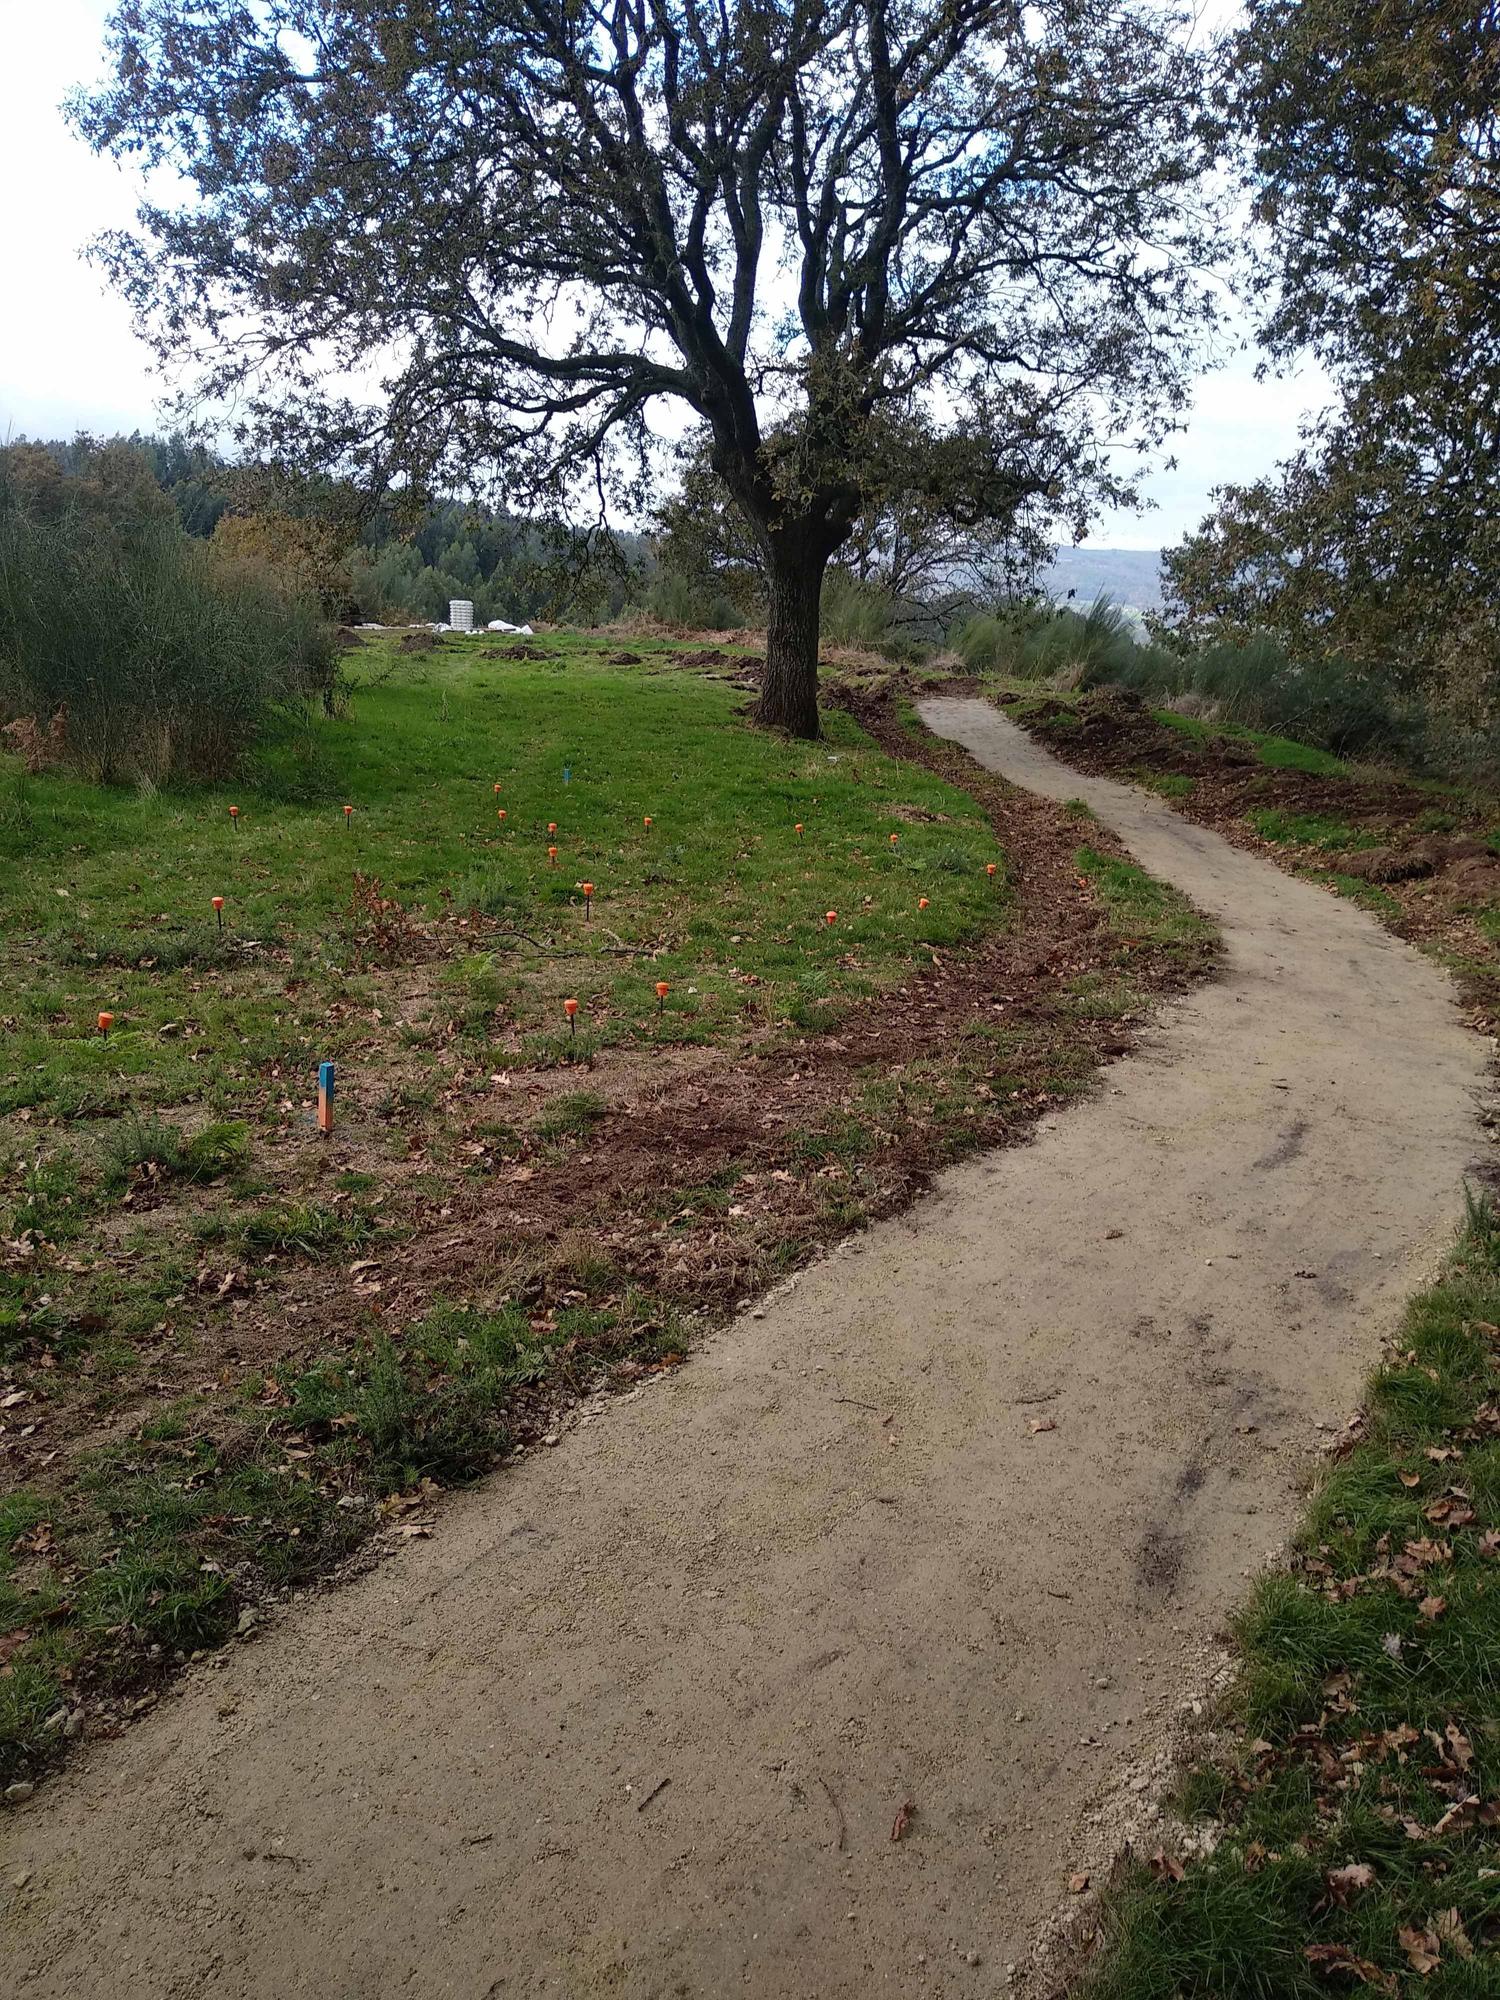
x=141 y=653
x=1255 y=684
x=1037 y=642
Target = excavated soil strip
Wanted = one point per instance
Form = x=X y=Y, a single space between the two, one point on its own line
x=643 y=1719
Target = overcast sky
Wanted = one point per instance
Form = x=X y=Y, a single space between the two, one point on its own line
x=68 y=359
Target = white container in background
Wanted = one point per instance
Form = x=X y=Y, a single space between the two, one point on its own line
x=460 y=614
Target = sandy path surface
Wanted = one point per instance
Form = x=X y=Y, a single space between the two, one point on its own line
x=826 y=1568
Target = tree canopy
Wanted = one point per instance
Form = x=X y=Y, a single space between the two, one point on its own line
x=1372 y=136
x=807 y=222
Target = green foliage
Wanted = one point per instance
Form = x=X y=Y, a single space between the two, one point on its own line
x=130 y=650
x=1370 y=148
x=1256 y=684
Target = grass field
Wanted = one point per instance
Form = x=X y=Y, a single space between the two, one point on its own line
x=230 y=1346
x=720 y=896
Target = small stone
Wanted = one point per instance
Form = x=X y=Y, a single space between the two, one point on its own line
x=15 y=1794
x=20 y=1881
x=249 y=1619
x=553 y=1437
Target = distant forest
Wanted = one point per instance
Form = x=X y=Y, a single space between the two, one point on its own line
x=408 y=564
x=398 y=563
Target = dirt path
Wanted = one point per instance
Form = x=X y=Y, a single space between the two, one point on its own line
x=640 y=1719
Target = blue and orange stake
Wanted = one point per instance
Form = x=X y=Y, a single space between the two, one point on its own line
x=325 y=1097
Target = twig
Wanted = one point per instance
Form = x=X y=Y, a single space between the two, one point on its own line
x=660 y=1786
x=600 y=951
x=838 y=1811
x=1047 y=1396
x=855 y=1403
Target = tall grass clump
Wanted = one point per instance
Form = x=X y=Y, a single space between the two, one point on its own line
x=130 y=651
x=1255 y=684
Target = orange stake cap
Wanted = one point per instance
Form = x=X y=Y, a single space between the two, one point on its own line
x=588 y=888
x=552 y=826
x=989 y=867
x=106 y=1022
x=921 y=902
x=501 y=813
x=662 y=989
x=799 y=826
x=234 y=812
x=832 y=917
x=894 y=838
x=217 y=901
x=570 y=1007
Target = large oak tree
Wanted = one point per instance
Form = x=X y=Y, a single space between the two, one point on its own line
x=809 y=223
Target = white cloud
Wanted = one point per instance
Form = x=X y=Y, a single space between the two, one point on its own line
x=69 y=361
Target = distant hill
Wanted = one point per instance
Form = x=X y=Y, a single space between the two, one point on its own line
x=1128 y=576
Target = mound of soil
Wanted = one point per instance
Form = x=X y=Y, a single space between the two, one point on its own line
x=418 y=642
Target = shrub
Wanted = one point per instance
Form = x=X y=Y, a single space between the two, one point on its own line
x=139 y=652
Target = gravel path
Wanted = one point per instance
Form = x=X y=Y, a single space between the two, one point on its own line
x=640 y=1719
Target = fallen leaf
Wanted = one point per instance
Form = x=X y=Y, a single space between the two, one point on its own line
x=1166 y=1867
x=1433 y=1607
x=1421 y=1947
x=1449 y=1926
x=1040 y=1424
x=1339 y=1958
x=1077 y=1884
x=1348 y=1880
x=902 y=1820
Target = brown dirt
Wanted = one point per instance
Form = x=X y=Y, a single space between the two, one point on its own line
x=920 y=1542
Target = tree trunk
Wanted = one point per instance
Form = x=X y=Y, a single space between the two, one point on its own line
x=789 y=695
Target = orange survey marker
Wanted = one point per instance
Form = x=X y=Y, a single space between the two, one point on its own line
x=646 y=822
x=218 y=903
x=348 y=817
x=831 y=917
x=588 y=899
x=106 y=1022
x=570 y=1008
x=662 y=990
x=921 y=902
x=234 y=818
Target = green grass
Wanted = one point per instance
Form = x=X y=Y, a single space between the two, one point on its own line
x=1278 y=753
x=1365 y=1711
x=1320 y=830
x=1142 y=910
x=1369 y=895
x=106 y=902
x=1166 y=784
